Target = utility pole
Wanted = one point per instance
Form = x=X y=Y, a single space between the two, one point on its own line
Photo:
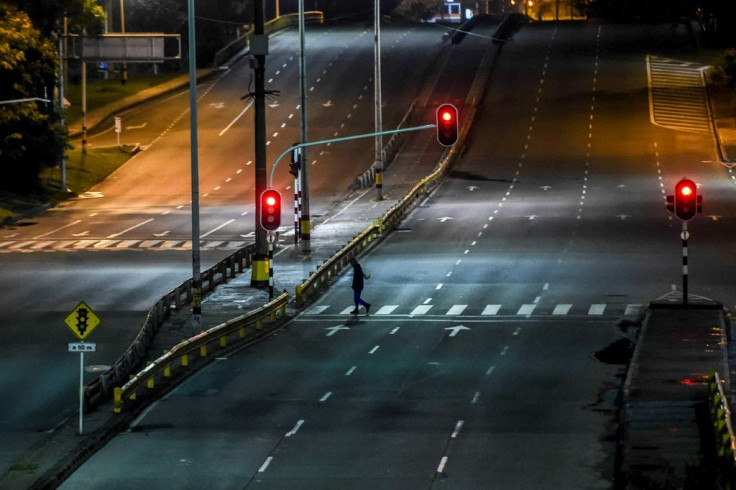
x=304 y=224
x=259 y=50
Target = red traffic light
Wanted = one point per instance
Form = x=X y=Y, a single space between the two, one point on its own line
x=687 y=202
x=447 y=124
x=270 y=209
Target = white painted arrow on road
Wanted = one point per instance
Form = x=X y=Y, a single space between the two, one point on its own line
x=456 y=329
x=334 y=330
x=444 y=218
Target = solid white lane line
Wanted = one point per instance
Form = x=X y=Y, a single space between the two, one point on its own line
x=58 y=229
x=236 y=118
x=218 y=228
x=131 y=228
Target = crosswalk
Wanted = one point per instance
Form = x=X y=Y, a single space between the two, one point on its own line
x=677 y=97
x=8 y=246
x=487 y=310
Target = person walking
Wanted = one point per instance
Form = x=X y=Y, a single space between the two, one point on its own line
x=358 y=283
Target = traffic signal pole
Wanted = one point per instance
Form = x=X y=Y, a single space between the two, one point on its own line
x=685 y=235
x=338 y=140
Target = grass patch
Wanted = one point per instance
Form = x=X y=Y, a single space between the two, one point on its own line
x=82 y=172
x=101 y=92
x=24 y=466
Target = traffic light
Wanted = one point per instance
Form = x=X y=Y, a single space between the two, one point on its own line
x=447 y=124
x=686 y=202
x=296 y=161
x=270 y=209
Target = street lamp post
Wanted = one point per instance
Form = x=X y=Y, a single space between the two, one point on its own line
x=196 y=274
x=378 y=160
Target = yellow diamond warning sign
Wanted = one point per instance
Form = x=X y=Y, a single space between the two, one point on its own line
x=82 y=320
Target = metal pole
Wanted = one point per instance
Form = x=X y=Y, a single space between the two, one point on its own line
x=304 y=223
x=62 y=86
x=684 y=237
x=81 y=390
x=259 y=275
x=378 y=160
x=84 y=107
x=194 y=150
x=271 y=239
x=122 y=31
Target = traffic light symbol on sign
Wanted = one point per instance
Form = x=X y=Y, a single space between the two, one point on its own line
x=687 y=202
x=270 y=209
x=447 y=124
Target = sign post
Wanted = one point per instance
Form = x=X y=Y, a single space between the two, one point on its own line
x=82 y=321
x=118 y=127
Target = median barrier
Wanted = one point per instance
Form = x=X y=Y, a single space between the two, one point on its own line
x=181 y=359
x=100 y=389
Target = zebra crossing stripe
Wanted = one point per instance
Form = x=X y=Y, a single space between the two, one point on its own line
x=526 y=309
x=596 y=309
x=632 y=310
x=561 y=309
x=421 y=310
x=386 y=310
x=316 y=310
x=41 y=245
x=456 y=310
x=491 y=310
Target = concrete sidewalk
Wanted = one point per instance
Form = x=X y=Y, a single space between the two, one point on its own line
x=666 y=433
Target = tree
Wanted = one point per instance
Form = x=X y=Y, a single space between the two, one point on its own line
x=30 y=134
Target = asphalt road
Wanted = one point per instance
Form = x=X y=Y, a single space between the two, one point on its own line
x=473 y=370
x=126 y=243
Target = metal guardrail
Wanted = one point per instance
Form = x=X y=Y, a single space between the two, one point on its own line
x=289 y=20
x=101 y=388
x=722 y=421
x=181 y=356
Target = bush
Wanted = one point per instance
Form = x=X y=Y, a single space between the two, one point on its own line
x=723 y=70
